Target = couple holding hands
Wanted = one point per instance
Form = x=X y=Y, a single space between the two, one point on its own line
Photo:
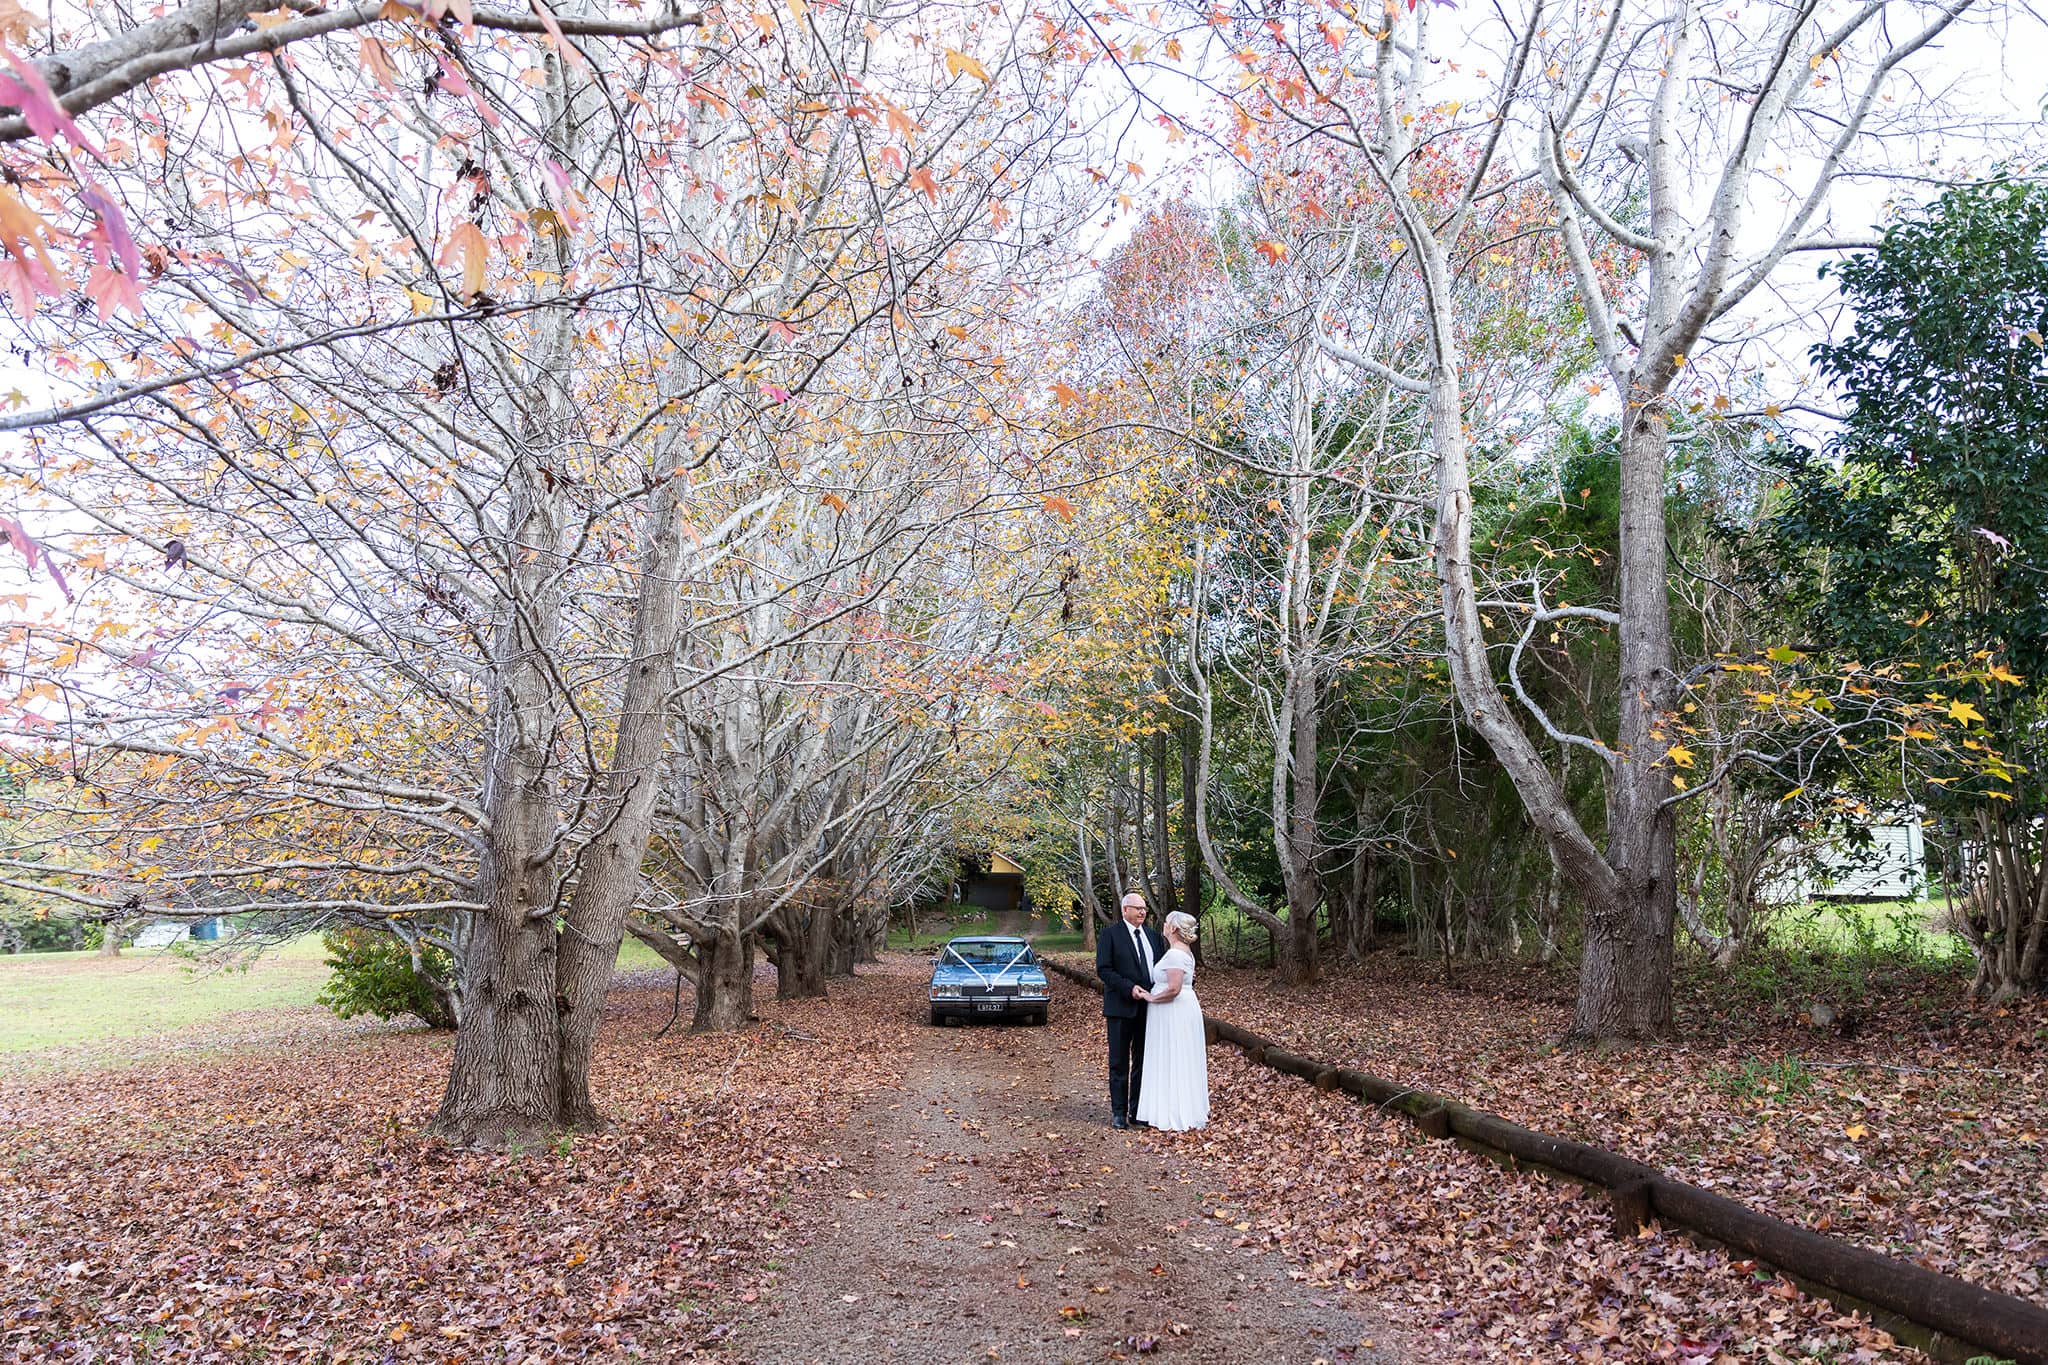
x=1158 y=1059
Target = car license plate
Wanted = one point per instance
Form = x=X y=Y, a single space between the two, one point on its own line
x=989 y=1005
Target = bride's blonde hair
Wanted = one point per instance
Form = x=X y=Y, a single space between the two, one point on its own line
x=1184 y=925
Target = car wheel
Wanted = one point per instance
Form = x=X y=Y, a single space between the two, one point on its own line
x=938 y=1020
x=1038 y=1019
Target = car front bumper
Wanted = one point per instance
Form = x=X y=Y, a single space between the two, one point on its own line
x=985 y=1007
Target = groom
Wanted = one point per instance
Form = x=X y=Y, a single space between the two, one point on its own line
x=1124 y=955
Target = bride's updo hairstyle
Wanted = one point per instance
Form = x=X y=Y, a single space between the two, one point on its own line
x=1183 y=925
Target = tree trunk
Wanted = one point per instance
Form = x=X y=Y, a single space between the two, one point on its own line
x=799 y=942
x=1191 y=843
x=1297 y=953
x=609 y=867
x=1089 y=906
x=1297 y=958
x=505 y=1083
x=2006 y=907
x=1169 y=893
x=1141 y=840
x=725 y=981
x=1360 y=930
x=1625 y=980
x=1615 y=925
x=110 y=937
x=846 y=934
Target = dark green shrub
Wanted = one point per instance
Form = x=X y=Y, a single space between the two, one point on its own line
x=374 y=974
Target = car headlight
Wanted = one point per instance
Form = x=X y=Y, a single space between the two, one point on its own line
x=945 y=992
x=1034 y=992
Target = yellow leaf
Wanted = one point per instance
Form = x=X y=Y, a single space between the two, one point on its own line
x=960 y=64
x=1856 y=1132
x=1963 y=713
x=1680 y=755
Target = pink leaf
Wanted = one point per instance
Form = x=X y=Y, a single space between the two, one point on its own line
x=31 y=94
x=776 y=393
x=454 y=83
x=110 y=289
x=116 y=224
x=20 y=540
x=562 y=48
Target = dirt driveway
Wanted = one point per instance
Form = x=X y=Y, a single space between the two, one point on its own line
x=988 y=1212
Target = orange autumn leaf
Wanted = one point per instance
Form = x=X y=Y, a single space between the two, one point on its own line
x=466 y=240
x=1059 y=506
x=25 y=235
x=377 y=61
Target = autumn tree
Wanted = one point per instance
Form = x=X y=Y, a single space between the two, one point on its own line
x=1919 y=530
x=1685 y=157
x=391 y=422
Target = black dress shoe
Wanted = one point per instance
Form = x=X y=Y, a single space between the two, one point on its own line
x=1119 y=1121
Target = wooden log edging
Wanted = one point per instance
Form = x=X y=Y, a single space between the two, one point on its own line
x=1968 y=1315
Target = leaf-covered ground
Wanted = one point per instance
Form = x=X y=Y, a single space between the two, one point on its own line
x=275 y=1201
x=278 y=1204
x=1923 y=1136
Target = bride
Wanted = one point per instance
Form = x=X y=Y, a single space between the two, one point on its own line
x=1176 y=1093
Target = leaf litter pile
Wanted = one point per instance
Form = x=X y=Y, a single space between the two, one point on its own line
x=281 y=1204
x=1922 y=1136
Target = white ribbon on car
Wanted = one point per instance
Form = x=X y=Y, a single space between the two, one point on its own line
x=955 y=955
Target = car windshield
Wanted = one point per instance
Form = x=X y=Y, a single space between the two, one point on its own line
x=982 y=953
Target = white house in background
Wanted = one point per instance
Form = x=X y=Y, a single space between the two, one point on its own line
x=1891 y=867
x=165 y=932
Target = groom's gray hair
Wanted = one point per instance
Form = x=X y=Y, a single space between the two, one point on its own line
x=1130 y=896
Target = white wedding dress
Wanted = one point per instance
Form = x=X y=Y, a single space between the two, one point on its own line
x=1175 y=1091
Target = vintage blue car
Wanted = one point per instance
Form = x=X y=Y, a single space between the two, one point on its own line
x=988 y=977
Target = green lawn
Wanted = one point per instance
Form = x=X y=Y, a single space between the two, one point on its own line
x=935 y=932
x=635 y=954
x=58 y=999
x=1904 y=927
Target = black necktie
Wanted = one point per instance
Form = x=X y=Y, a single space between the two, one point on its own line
x=1144 y=950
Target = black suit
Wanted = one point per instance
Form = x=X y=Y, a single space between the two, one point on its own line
x=1121 y=966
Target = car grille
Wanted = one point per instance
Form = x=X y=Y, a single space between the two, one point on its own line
x=976 y=992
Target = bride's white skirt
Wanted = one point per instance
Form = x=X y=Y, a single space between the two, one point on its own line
x=1175 y=1092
